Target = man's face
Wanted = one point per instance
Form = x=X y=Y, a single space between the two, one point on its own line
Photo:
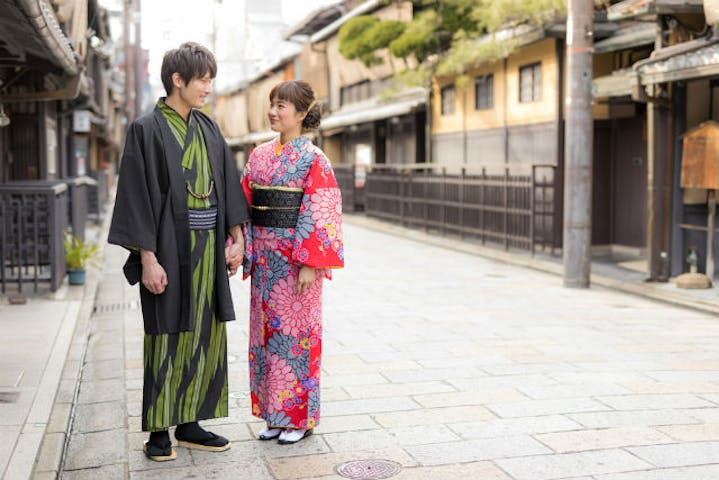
x=196 y=91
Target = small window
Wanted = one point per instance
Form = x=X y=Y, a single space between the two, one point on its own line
x=484 y=92
x=530 y=83
x=448 y=100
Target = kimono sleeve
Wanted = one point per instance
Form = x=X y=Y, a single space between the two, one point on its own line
x=235 y=201
x=318 y=236
x=248 y=260
x=133 y=221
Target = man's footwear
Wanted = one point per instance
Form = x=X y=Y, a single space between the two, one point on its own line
x=269 y=433
x=159 y=454
x=290 y=436
x=214 y=444
x=191 y=435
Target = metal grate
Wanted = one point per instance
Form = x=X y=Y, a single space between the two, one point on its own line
x=117 y=307
x=369 y=469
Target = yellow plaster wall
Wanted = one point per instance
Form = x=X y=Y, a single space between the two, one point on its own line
x=494 y=117
x=545 y=109
x=507 y=107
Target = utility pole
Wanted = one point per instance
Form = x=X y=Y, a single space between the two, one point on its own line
x=139 y=60
x=578 y=148
x=129 y=63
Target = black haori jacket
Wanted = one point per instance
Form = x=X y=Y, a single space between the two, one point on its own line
x=151 y=214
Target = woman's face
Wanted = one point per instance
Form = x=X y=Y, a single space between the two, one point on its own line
x=284 y=117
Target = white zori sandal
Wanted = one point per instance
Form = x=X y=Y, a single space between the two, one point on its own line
x=289 y=436
x=269 y=433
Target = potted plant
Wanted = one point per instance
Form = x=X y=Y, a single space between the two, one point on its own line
x=77 y=255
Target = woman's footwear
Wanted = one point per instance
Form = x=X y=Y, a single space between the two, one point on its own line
x=269 y=433
x=159 y=454
x=290 y=436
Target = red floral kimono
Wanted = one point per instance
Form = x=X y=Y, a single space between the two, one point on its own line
x=286 y=328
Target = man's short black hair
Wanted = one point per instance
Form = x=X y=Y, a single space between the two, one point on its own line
x=190 y=60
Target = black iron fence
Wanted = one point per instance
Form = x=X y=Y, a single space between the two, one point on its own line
x=33 y=220
x=515 y=210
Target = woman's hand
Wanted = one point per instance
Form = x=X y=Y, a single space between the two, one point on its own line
x=305 y=279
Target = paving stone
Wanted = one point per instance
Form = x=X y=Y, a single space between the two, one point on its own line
x=311 y=466
x=353 y=407
x=545 y=407
x=685 y=387
x=345 y=423
x=577 y=441
x=50 y=454
x=465 y=471
x=510 y=427
x=59 y=418
x=95 y=417
x=399 y=389
x=432 y=416
x=423 y=434
x=254 y=470
x=426 y=375
x=469 y=398
x=106 y=472
x=101 y=391
x=634 y=418
x=346 y=380
x=138 y=461
x=706 y=472
x=476 y=450
x=545 y=392
x=103 y=370
x=90 y=450
x=678 y=455
x=568 y=465
x=654 y=402
x=692 y=433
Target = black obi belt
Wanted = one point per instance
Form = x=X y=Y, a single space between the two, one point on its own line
x=277 y=207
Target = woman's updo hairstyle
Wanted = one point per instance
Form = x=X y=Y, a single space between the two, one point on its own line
x=301 y=95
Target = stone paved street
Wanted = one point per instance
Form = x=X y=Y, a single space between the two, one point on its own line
x=453 y=365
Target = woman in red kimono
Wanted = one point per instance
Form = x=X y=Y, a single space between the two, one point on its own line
x=294 y=242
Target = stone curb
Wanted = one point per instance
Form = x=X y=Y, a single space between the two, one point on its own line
x=50 y=456
x=524 y=260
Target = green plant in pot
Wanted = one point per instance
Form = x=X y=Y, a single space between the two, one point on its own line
x=77 y=255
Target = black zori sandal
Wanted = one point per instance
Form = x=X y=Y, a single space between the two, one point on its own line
x=159 y=454
x=193 y=436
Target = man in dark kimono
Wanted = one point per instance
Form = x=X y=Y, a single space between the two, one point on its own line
x=178 y=198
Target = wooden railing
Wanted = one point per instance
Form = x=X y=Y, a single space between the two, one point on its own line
x=514 y=210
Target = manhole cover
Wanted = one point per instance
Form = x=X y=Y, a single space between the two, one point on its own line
x=9 y=397
x=369 y=469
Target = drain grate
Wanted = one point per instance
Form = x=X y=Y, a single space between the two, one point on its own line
x=9 y=397
x=117 y=307
x=369 y=469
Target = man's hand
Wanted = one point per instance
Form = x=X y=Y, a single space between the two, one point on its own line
x=235 y=252
x=233 y=257
x=305 y=279
x=154 y=277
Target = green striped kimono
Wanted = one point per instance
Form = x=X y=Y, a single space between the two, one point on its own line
x=186 y=373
